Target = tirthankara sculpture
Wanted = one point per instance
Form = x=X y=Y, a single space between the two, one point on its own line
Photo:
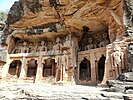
x=72 y=41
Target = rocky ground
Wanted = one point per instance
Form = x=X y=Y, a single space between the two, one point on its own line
x=30 y=91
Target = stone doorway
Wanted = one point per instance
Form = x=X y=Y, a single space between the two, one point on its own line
x=101 y=67
x=85 y=70
x=32 y=68
x=49 y=68
x=15 y=68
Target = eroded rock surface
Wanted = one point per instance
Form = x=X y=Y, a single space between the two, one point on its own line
x=28 y=91
x=73 y=15
x=61 y=37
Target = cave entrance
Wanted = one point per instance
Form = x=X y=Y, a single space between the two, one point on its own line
x=85 y=70
x=49 y=68
x=101 y=67
x=15 y=68
x=32 y=68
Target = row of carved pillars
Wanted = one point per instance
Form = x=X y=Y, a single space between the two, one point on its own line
x=22 y=69
x=95 y=69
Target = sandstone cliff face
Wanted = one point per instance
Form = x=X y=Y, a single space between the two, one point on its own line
x=71 y=15
x=128 y=22
x=91 y=24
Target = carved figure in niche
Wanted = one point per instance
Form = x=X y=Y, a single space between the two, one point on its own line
x=35 y=48
x=50 y=46
x=30 y=47
x=90 y=43
x=58 y=45
x=83 y=42
x=97 y=41
x=68 y=37
x=104 y=40
x=67 y=41
x=43 y=46
x=16 y=50
x=117 y=59
x=24 y=48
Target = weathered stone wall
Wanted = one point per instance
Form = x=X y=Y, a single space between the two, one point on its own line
x=128 y=22
x=32 y=21
x=130 y=57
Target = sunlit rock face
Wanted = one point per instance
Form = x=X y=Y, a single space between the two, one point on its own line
x=97 y=15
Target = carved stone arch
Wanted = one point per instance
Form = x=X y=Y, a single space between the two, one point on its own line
x=88 y=57
x=32 y=67
x=15 y=68
x=85 y=58
x=101 y=67
x=85 y=70
x=49 y=67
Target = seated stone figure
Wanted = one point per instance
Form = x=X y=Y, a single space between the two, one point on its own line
x=43 y=47
x=50 y=46
x=16 y=50
x=24 y=48
x=35 y=48
x=57 y=46
x=97 y=41
x=104 y=39
x=90 y=44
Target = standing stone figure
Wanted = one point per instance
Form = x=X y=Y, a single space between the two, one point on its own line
x=57 y=46
x=117 y=60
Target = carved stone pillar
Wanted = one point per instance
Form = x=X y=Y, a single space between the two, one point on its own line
x=24 y=67
x=6 y=68
x=17 y=68
x=73 y=51
x=73 y=48
x=61 y=74
x=58 y=66
x=93 y=70
x=39 y=73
